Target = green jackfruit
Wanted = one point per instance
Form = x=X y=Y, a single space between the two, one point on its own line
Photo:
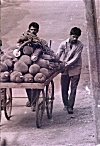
x=34 y=69
x=4 y=76
x=45 y=72
x=3 y=67
x=27 y=50
x=16 y=76
x=26 y=59
x=28 y=78
x=21 y=67
x=43 y=63
x=40 y=78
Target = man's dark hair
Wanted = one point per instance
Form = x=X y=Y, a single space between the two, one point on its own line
x=34 y=24
x=75 y=31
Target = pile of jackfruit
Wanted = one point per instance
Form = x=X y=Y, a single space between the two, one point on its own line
x=23 y=69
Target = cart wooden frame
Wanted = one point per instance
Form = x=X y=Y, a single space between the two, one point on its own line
x=44 y=98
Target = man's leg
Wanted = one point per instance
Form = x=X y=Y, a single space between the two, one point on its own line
x=74 y=84
x=31 y=93
x=28 y=91
x=65 y=80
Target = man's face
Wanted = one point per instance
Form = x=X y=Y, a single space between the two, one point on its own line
x=33 y=30
x=73 y=39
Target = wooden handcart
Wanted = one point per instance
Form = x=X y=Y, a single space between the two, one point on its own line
x=44 y=97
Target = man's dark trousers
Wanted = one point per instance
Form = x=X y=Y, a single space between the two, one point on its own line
x=31 y=93
x=66 y=82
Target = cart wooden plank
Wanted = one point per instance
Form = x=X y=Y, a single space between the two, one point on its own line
x=28 y=85
x=22 y=85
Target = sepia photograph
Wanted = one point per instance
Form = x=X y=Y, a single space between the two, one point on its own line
x=50 y=72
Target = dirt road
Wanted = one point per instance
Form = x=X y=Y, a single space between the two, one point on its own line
x=55 y=19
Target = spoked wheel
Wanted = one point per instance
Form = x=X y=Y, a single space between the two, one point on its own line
x=49 y=99
x=8 y=103
x=40 y=107
x=2 y=96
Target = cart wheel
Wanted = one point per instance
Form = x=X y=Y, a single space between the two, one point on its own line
x=49 y=99
x=8 y=103
x=2 y=96
x=40 y=107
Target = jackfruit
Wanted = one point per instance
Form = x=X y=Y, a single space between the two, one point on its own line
x=54 y=66
x=43 y=63
x=34 y=58
x=26 y=59
x=3 y=67
x=4 y=76
x=45 y=72
x=28 y=78
x=21 y=67
x=4 y=57
x=46 y=57
x=16 y=76
x=9 y=63
x=40 y=78
x=8 y=55
x=27 y=50
x=34 y=69
x=37 y=52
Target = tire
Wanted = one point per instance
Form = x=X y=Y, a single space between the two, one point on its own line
x=8 y=103
x=49 y=99
x=40 y=107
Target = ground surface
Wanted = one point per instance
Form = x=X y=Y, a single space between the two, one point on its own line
x=55 y=19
